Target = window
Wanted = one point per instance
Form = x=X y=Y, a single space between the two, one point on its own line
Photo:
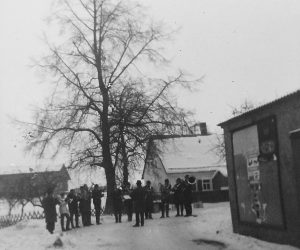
x=207 y=185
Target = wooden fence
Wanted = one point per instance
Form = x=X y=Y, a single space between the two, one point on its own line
x=9 y=220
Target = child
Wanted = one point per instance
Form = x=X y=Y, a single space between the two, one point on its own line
x=64 y=212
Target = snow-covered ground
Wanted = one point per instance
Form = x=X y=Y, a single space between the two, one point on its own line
x=211 y=229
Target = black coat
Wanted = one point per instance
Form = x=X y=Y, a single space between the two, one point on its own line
x=138 y=197
x=97 y=195
x=117 y=200
x=149 y=195
x=73 y=200
x=49 y=204
x=188 y=192
x=84 y=202
x=165 y=193
x=178 y=192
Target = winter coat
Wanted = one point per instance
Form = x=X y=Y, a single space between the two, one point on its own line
x=117 y=200
x=138 y=197
x=84 y=202
x=165 y=192
x=63 y=207
x=149 y=195
x=178 y=193
x=49 y=204
x=97 y=195
x=187 y=192
x=73 y=200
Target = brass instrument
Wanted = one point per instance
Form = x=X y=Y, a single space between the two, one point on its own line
x=192 y=180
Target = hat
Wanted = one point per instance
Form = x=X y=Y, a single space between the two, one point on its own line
x=138 y=182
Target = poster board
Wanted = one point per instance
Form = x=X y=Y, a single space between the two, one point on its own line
x=256 y=173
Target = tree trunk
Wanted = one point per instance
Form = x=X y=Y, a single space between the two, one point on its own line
x=22 y=210
x=125 y=172
x=107 y=161
x=110 y=183
x=124 y=159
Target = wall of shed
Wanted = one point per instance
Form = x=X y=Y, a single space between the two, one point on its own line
x=287 y=114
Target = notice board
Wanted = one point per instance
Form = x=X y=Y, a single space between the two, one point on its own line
x=255 y=150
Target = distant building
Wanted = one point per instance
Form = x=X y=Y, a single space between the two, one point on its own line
x=173 y=157
x=56 y=180
x=263 y=161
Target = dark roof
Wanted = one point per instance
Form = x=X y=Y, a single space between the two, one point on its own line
x=8 y=181
x=276 y=101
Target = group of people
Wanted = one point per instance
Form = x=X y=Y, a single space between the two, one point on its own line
x=182 y=197
x=71 y=206
x=140 y=200
x=143 y=198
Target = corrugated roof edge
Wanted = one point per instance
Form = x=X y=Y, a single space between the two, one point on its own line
x=278 y=100
x=164 y=137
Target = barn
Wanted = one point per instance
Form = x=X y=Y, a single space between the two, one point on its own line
x=34 y=182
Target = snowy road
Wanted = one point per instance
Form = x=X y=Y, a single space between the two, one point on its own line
x=210 y=230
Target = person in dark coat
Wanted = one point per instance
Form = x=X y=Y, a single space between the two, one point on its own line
x=165 y=198
x=97 y=195
x=188 y=196
x=138 y=197
x=178 y=196
x=118 y=204
x=128 y=203
x=83 y=206
x=73 y=200
x=149 y=193
x=49 y=204
x=88 y=205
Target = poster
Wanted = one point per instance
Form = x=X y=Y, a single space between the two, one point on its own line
x=256 y=170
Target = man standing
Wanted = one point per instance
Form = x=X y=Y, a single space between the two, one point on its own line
x=49 y=204
x=165 y=198
x=149 y=192
x=138 y=197
x=64 y=213
x=73 y=208
x=97 y=195
x=178 y=196
x=118 y=204
x=88 y=204
x=188 y=196
x=128 y=203
x=83 y=206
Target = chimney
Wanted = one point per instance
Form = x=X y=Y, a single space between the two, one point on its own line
x=203 y=128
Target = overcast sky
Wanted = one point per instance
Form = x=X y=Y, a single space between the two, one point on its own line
x=247 y=49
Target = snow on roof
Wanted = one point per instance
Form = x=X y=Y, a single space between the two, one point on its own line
x=191 y=154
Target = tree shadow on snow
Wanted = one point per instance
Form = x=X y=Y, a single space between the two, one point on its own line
x=210 y=244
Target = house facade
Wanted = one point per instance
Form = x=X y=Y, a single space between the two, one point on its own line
x=263 y=162
x=174 y=157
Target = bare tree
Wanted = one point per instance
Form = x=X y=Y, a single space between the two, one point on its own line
x=106 y=45
x=244 y=107
x=219 y=148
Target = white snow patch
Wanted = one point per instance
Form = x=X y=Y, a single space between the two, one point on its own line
x=213 y=223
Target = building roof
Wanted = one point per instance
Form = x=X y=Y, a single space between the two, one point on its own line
x=276 y=101
x=201 y=173
x=8 y=181
x=190 y=154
